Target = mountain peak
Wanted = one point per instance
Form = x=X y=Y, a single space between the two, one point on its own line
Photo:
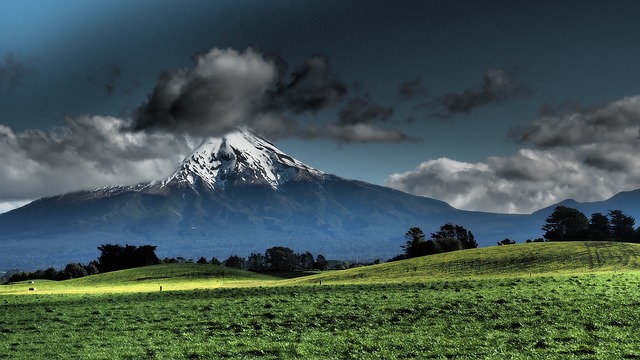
x=239 y=158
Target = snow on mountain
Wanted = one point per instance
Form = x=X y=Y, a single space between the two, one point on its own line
x=239 y=194
x=240 y=158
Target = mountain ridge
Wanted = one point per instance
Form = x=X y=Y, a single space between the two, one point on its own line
x=236 y=195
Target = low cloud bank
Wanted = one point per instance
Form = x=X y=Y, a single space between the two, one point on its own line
x=587 y=155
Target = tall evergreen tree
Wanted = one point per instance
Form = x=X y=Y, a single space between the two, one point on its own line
x=256 y=261
x=415 y=242
x=564 y=224
x=622 y=226
x=599 y=227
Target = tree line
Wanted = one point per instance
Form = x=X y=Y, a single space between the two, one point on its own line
x=569 y=224
x=117 y=257
x=277 y=258
x=564 y=224
x=112 y=258
x=450 y=237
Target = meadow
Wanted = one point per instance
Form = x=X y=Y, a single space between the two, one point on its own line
x=530 y=301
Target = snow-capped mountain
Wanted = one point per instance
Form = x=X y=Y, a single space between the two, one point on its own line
x=239 y=194
x=240 y=158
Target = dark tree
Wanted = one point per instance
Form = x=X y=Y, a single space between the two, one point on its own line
x=506 y=242
x=321 y=263
x=305 y=261
x=565 y=224
x=599 y=227
x=622 y=226
x=256 y=261
x=431 y=247
x=415 y=245
x=145 y=255
x=448 y=244
x=92 y=268
x=281 y=258
x=110 y=257
x=234 y=261
x=457 y=232
x=215 y=261
x=202 y=260
x=117 y=257
x=74 y=270
x=50 y=273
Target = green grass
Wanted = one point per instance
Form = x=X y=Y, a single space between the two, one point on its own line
x=532 y=259
x=170 y=276
x=533 y=301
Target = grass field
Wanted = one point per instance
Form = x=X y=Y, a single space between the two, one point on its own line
x=534 y=259
x=170 y=276
x=533 y=301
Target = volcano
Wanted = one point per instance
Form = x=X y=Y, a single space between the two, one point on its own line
x=234 y=195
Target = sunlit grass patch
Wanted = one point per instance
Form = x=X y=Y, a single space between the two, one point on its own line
x=150 y=278
x=545 y=317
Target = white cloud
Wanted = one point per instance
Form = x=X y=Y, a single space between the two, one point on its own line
x=89 y=152
x=587 y=156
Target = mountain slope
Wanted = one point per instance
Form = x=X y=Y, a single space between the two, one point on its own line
x=240 y=158
x=235 y=195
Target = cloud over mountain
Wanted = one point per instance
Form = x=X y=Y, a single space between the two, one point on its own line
x=586 y=155
x=227 y=88
x=88 y=152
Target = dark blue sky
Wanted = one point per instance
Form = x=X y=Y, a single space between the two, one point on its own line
x=499 y=105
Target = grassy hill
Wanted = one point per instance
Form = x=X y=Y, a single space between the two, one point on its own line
x=499 y=261
x=533 y=259
x=408 y=309
x=149 y=278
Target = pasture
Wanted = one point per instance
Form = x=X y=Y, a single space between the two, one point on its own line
x=557 y=304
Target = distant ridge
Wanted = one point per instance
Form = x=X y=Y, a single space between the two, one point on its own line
x=238 y=194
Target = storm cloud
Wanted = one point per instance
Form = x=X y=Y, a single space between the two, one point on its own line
x=227 y=88
x=584 y=155
x=313 y=87
x=617 y=122
x=497 y=86
x=86 y=153
x=363 y=110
